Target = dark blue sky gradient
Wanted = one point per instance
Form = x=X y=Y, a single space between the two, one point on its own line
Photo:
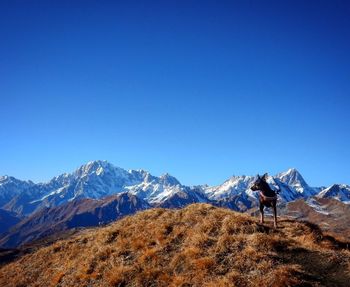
x=199 y=89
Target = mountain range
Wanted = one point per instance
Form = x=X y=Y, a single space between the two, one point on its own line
x=99 y=192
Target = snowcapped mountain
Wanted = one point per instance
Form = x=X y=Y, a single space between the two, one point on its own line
x=156 y=189
x=237 y=189
x=11 y=187
x=234 y=193
x=296 y=182
x=231 y=187
x=340 y=192
x=98 y=179
x=183 y=197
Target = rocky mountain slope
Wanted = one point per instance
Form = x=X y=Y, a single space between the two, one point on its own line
x=332 y=215
x=199 y=245
x=7 y=220
x=78 y=213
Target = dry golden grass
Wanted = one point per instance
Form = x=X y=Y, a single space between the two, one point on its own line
x=199 y=245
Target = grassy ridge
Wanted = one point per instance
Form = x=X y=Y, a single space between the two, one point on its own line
x=199 y=245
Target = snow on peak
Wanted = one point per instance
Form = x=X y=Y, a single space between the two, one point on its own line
x=340 y=192
x=169 y=179
x=3 y=177
x=97 y=179
x=9 y=179
x=4 y=180
x=291 y=176
x=232 y=186
x=294 y=179
x=96 y=166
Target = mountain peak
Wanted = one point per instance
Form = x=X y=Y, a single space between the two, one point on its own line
x=340 y=192
x=3 y=178
x=290 y=176
x=169 y=179
x=6 y=179
x=96 y=166
x=293 y=171
x=294 y=179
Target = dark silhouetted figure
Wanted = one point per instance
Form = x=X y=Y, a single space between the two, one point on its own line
x=267 y=197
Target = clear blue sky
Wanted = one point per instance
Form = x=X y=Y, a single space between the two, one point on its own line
x=199 y=89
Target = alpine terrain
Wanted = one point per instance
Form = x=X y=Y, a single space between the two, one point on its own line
x=99 y=192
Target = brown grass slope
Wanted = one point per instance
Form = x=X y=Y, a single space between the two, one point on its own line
x=199 y=245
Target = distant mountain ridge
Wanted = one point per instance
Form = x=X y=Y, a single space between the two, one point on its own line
x=98 y=179
x=340 y=192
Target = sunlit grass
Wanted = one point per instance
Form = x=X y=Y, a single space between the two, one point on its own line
x=199 y=245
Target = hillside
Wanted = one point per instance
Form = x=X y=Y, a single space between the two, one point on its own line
x=199 y=245
x=332 y=216
x=78 y=213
